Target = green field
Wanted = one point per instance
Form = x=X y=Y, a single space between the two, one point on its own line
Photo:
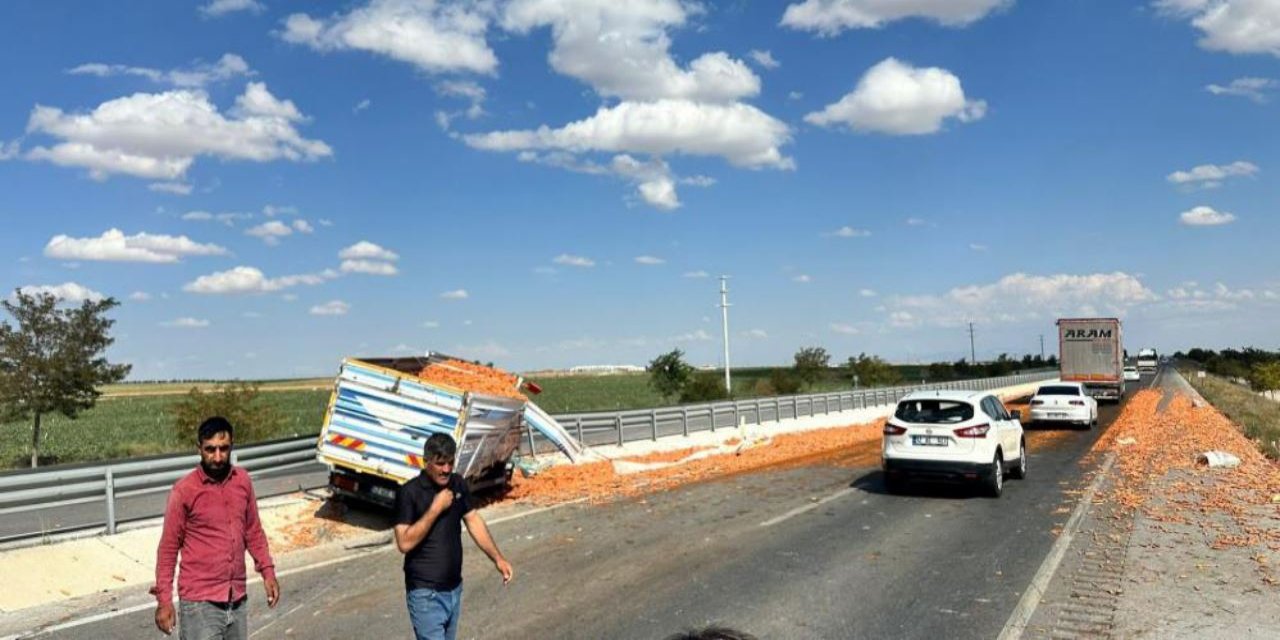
x=133 y=420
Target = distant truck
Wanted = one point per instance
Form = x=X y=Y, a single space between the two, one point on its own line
x=382 y=410
x=1148 y=360
x=1091 y=351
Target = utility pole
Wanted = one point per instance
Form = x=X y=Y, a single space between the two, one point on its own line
x=1042 y=347
x=973 y=354
x=724 y=316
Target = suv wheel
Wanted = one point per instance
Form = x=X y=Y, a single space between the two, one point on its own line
x=995 y=476
x=1020 y=472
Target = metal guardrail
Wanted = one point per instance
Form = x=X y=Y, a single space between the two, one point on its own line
x=620 y=427
x=37 y=489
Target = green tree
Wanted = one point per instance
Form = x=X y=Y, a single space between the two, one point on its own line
x=872 y=371
x=784 y=382
x=705 y=386
x=241 y=403
x=669 y=373
x=1265 y=377
x=54 y=359
x=810 y=364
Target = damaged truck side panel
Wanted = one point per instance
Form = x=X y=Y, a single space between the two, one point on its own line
x=380 y=414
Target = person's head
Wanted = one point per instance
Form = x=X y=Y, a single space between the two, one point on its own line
x=438 y=454
x=213 y=439
x=712 y=633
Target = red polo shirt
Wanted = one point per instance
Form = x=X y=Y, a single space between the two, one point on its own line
x=210 y=525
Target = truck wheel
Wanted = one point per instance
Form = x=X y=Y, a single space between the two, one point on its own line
x=995 y=477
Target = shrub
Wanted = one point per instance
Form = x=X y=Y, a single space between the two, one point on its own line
x=238 y=402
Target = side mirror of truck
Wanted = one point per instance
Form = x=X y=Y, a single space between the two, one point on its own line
x=1017 y=415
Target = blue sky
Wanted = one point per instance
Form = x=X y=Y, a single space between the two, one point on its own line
x=270 y=186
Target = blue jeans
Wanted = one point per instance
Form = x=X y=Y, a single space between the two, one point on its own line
x=434 y=614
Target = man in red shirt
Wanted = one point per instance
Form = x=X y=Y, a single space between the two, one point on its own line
x=210 y=521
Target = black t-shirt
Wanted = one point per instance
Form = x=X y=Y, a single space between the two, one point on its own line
x=436 y=563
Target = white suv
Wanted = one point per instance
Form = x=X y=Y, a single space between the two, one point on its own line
x=953 y=435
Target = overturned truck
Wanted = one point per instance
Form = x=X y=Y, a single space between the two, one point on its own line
x=382 y=410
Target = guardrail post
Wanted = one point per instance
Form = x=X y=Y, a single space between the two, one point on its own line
x=653 y=422
x=736 y=420
x=759 y=418
x=617 y=422
x=578 y=422
x=111 y=502
x=777 y=410
x=713 y=418
x=684 y=420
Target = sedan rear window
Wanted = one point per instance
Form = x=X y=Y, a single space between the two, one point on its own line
x=1058 y=391
x=933 y=411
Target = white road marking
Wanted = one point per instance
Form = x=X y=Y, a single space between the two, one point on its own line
x=808 y=507
x=1021 y=615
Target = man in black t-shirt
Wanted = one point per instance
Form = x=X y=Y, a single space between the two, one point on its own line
x=430 y=510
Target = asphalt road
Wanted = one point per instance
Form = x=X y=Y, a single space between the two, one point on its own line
x=806 y=552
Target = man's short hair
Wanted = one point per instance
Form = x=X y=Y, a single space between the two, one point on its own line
x=712 y=633
x=439 y=447
x=213 y=426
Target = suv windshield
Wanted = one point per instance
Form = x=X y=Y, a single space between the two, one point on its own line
x=933 y=411
x=1058 y=391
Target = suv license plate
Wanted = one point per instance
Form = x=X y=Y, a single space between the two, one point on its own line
x=929 y=441
x=1057 y=415
x=382 y=492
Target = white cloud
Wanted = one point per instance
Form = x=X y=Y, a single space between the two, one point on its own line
x=362 y=105
x=228 y=219
x=1233 y=26
x=198 y=75
x=251 y=280
x=740 y=133
x=302 y=226
x=1203 y=216
x=654 y=182
x=755 y=334
x=114 y=246
x=365 y=250
x=331 y=308
x=9 y=150
x=489 y=351
x=649 y=260
x=696 y=274
x=186 y=323
x=977 y=247
x=371 y=267
x=830 y=17
x=846 y=329
x=67 y=291
x=324 y=222
x=159 y=136
x=848 y=232
x=1223 y=292
x=139 y=296
x=897 y=99
x=273 y=210
x=916 y=222
x=765 y=59
x=867 y=293
x=218 y=8
x=1023 y=297
x=574 y=261
x=795 y=95
x=802 y=278
x=903 y=319
x=435 y=37
x=1254 y=89
x=456 y=294
x=176 y=188
x=622 y=50
x=1212 y=175
x=467 y=90
x=270 y=232
x=431 y=324
x=697 y=336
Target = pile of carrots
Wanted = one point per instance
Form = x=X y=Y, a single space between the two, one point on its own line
x=473 y=377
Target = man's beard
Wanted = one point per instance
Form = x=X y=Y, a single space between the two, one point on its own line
x=217 y=472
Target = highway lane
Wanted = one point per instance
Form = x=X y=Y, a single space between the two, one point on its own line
x=819 y=551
